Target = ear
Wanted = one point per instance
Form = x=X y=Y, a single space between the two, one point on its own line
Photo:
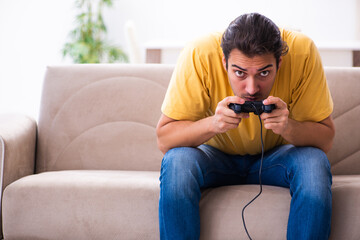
x=280 y=62
x=224 y=62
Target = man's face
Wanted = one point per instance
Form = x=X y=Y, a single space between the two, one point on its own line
x=251 y=78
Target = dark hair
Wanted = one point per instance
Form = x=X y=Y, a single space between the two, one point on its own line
x=253 y=34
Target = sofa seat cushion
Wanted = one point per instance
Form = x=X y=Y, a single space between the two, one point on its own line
x=124 y=205
x=82 y=205
x=266 y=217
x=346 y=207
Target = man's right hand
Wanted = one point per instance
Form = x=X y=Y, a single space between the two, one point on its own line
x=225 y=118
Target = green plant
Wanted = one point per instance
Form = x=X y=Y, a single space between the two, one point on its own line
x=88 y=44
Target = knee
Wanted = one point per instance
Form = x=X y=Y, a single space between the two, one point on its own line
x=181 y=158
x=181 y=165
x=311 y=161
x=312 y=172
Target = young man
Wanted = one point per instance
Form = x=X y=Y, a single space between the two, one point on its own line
x=206 y=144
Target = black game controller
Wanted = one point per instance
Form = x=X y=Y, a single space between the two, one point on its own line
x=256 y=107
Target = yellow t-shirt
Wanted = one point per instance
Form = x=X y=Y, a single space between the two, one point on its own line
x=200 y=81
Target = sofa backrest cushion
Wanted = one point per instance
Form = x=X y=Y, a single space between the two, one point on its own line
x=101 y=116
x=344 y=84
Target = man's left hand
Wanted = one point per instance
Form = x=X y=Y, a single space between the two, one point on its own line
x=278 y=119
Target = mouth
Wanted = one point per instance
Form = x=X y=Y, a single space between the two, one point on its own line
x=250 y=99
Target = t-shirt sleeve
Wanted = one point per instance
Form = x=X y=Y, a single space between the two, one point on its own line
x=187 y=96
x=311 y=99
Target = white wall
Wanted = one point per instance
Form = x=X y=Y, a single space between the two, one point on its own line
x=32 y=32
x=31 y=36
x=323 y=20
x=328 y=22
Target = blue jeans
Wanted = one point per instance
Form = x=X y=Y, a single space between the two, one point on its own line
x=185 y=171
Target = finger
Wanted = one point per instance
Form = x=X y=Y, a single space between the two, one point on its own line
x=233 y=99
x=239 y=115
x=272 y=126
x=232 y=120
x=272 y=121
x=231 y=113
x=227 y=123
x=274 y=114
x=280 y=104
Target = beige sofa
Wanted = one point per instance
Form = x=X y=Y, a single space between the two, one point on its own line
x=89 y=168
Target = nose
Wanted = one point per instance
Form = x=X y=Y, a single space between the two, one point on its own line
x=251 y=86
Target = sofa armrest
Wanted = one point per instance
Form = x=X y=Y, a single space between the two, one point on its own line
x=17 y=150
x=17 y=147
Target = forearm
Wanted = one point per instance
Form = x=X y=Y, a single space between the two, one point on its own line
x=172 y=133
x=316 y=134
x=184 y=134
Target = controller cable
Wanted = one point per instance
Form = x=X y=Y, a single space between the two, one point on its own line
x=261 y=163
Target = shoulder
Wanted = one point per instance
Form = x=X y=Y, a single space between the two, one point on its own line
x=201 y=55
x=205 y=45
x=297 y=42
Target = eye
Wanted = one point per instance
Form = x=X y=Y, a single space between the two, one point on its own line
x=264 y=73
x=239 y=73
